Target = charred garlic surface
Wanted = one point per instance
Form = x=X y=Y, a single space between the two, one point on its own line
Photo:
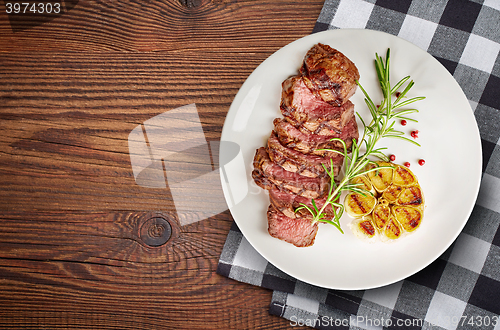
x=392 y=205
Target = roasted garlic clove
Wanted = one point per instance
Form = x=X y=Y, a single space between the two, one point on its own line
x=357 y=205
x=403 y=176
x=392 y=230
x=411 y=196
x=392 y=193
x=363 y=228
x=409 y=217
x=381 y=178
x=362 y=182
x=381 y=214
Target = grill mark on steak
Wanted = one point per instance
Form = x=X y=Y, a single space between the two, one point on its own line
x=329 y=74
x=260 y=179
x=295 y=161
x=291 y=137
x=300 y=232
x=265 y=169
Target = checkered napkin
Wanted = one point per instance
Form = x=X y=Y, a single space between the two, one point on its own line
x=461 y=289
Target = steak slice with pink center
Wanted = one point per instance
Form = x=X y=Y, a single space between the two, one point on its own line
x=300 y=232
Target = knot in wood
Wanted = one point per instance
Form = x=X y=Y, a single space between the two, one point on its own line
x=156 y=231
x=190 y=3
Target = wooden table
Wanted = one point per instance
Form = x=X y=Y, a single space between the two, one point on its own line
x=72 y=87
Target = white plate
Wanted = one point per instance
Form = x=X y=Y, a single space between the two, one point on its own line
x=450 y=177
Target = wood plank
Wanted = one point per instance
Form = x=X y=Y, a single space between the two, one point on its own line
x=59 y=269
x=154 y=26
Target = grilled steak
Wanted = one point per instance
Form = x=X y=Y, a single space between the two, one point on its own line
x=288 y=203
x=267 y=171
x=329 y=74
x=315 y=109
x=300 y=232
x=294 y=138
x=302 y=108
x=295 y=161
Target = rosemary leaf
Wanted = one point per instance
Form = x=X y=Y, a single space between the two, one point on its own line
x=399 y=84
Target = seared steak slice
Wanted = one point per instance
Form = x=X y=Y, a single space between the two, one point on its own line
x=302 y=108
x=295 y=161
x=294 y=138
x=265 y=169
x=287 y=203
x=329 y=74
x=300 y=232
x=260 y=179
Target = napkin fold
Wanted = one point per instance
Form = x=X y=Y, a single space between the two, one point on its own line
x=460 y=289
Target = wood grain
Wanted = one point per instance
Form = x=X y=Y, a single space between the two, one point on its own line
x=72 y=87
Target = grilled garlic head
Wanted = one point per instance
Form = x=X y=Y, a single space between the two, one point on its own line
x=392 y=207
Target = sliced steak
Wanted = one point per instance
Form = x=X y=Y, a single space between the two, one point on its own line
x=329 y=74
x=302 y=108
x=316 y=109
x=287 y=204
x=300 y=232
x=285 y=180
x=304 y=164
x=292 y=137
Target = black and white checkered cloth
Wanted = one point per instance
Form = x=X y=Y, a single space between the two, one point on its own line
x=461 y=289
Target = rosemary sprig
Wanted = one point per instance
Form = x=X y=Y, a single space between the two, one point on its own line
x=381 y=126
